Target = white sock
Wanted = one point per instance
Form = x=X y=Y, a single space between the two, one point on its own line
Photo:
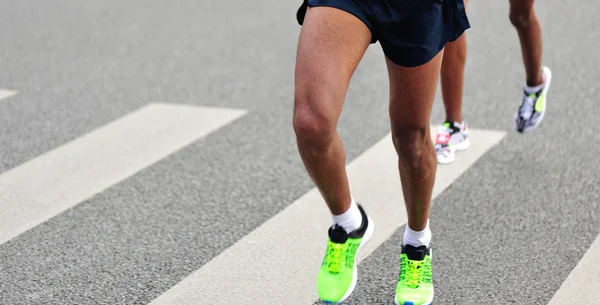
x=417 y=238
x=537 y=88
x=349 y=220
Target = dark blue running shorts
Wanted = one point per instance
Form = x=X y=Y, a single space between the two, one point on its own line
x=411 y=32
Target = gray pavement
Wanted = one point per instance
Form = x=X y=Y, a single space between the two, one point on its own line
x=509 y=230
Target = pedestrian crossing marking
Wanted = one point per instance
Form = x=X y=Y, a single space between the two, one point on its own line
x=582 y=286
x=60 y=179
x=4 y=93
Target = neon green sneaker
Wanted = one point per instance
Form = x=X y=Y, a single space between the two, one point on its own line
x=337 y=276
x=415 y=285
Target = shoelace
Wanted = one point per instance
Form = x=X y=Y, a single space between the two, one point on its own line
x=412 y=272
x=426 y=275
x=526 y=109
x=336 y=257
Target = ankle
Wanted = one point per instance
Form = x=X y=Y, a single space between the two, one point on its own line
x=454 y=118
x=351 y=219
x=536 y=81
x=417 y=238
x=535 y=85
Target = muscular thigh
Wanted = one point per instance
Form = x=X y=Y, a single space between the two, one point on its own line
x=412 y=91
x=331 y=44
x=521 y=3
x=520 y=7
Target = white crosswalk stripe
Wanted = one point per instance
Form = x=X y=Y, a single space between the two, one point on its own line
x=4 y=93
x=583 y=284
x=58 y=180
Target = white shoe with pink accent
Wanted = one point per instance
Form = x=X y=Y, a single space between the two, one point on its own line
x=451 y=137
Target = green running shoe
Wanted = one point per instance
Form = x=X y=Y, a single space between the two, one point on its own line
x=337 y=276
x=415 y=285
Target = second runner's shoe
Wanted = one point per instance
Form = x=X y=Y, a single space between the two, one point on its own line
x=451 y=137
x=338 y=273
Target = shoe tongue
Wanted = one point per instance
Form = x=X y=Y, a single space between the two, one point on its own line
x=416 y=253
x=337 y=234
x=447 y=128
x=453 y=125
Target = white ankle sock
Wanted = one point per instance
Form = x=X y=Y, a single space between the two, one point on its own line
x=417 y=238
x=537 y=88
x=349 y=220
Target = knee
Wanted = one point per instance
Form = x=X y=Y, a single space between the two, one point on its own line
x=456 y=51
x=461 y=54
x=313 y=126
x=521 y=17
x=411 y=143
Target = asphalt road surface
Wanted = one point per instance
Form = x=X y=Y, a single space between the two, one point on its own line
x=147 y=157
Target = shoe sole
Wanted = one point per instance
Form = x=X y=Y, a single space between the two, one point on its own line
x=363 y=242
x=412 y=303
x=548 y=73
x=429 y=302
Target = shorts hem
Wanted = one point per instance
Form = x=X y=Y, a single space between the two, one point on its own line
x=404 y=62
x=348 y=10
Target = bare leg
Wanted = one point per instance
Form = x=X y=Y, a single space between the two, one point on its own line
x=524 y=19
x=412 y=91
x=332 y=43
x=452 y=77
